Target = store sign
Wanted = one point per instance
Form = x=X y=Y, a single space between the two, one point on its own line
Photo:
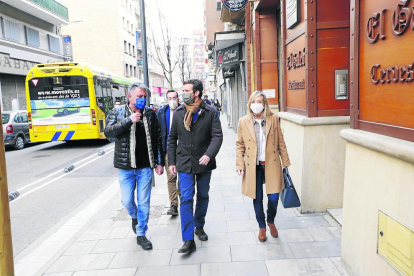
x=13 y=66
x=234 y=5
x=229 y=73
x=296 y=85
x=296 y=60
x=292 y=13
x=401 y=21
x=229 y=56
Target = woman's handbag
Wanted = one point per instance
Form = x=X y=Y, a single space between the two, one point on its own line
x=289 y=196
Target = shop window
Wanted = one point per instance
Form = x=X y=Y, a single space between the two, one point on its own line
x=12 y=30
x=32 y=37
x=54 y=45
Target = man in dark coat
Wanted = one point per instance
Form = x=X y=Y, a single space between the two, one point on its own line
x=195 y=140
x=138 y=150
x=165 y=116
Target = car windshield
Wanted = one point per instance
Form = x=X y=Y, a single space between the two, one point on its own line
x=5 y=118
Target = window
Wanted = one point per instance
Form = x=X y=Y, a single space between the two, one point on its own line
x=23 y=117
x=54 y=45
x=135 y=71
x=130 y=8
x=133 y=51
x=126 y=70
x=123 y=22
x=125 y=46
x=12 y=30
x=128 y=25
x=32 y=37
x=218 y=5
x=130 y=70
x=132 y=28
x=129 y=48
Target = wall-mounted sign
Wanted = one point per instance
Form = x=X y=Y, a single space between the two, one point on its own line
x=270 y=93
x=14 y=66
x=229 y=57
x=234 y=5
x=296 y=60
x=228 y=73
x=341 y=85
x=292 y=13
x=296 y=85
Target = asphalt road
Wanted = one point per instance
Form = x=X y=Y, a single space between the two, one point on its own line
x=47 y=194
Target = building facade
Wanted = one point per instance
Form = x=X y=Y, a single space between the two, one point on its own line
x=30 y=33
x=339 y=75
x=105 y=34
x=199 y=53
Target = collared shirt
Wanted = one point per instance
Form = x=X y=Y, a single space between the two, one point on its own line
x=260 y=131
x=171 y=117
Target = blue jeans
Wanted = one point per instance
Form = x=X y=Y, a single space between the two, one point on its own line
x=273 y=199
x=187 y=182
x=142 y=180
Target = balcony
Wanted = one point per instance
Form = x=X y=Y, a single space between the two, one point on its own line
x=47 y=10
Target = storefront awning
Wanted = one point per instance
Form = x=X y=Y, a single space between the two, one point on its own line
x=226 y=39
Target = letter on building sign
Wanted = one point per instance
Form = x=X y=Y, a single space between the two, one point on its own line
x=16 y=64
x=374 y=70
x=373 y=22
x=25 y=65
x=7 y=62
x=401 y=18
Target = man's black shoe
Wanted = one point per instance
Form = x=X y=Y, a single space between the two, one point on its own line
x=134 y=224
x=173 y=211
x=144 y=242
x=189 y=246
x=202 y=236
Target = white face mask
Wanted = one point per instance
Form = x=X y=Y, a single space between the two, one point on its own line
x=173 y=104
x=256 y=108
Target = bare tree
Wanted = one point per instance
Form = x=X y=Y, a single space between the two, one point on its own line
x=184 y=61
x=162 y=52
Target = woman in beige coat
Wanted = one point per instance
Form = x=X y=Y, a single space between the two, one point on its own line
x=260 y=143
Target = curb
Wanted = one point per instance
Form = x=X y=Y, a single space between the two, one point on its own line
x=40 y=258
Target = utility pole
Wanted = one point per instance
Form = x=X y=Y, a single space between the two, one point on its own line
x=144 y=48
x=6 y=249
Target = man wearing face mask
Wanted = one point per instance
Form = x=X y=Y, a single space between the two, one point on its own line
x=165 y=116
x=138 y=150
x=195 y=140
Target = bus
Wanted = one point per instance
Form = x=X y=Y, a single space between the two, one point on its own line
x=71 y=101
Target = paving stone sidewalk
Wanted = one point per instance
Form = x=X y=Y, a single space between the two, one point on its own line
x=307 y=244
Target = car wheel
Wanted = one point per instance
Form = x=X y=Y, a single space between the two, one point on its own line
x=19 y=143
x=66 y=112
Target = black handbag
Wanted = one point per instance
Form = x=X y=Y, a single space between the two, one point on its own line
x=289 y=196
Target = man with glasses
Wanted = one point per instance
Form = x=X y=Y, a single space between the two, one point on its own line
x=165 y=116
x=138 y=150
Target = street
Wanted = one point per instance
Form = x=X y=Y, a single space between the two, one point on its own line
x=39 y=207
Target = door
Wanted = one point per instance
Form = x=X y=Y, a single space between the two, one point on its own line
x=25 y=125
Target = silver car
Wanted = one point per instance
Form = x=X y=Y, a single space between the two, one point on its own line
x=15 y=128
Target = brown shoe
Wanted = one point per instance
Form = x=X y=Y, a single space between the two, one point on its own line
x=273 y=230
x=262 y=235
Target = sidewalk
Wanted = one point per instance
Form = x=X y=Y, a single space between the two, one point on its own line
x=307 y=244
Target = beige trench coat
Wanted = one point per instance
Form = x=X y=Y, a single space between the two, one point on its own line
x=246 y=153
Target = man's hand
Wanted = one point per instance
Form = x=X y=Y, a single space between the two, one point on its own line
x=240 y=172
x=159 y=170
x=135 y=117
x=173 y=170
x=204 y=160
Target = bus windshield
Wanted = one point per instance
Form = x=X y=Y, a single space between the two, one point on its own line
x=59 y=100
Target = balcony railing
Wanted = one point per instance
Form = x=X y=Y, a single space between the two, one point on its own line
x=54 y=7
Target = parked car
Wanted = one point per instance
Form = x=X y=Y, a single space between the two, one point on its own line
x=70 y=108
x=15 y=128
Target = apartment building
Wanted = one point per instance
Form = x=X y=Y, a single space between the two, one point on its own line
x=30 y=33
x=105 y=34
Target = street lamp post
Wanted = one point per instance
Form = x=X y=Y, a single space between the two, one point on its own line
x=6 y=248
x=144 y=48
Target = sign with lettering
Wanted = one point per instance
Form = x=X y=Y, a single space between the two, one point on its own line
x=228 y=73
x=292 y=13
x=14 y=66
x=386 y=64
x=296 y=85
x=234 y=5
x=229 y=57
x=296 y=60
